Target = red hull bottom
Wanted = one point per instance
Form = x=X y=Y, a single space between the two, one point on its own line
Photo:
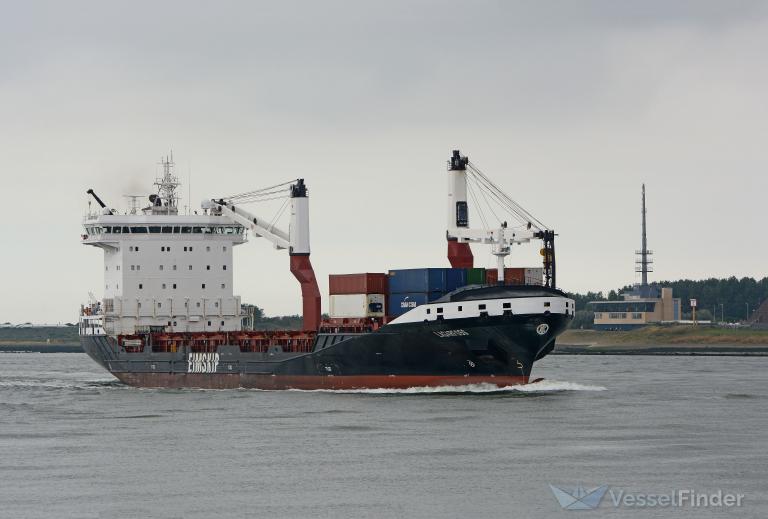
x=308 y=382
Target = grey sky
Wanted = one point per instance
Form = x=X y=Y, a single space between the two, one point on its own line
x=569 y=106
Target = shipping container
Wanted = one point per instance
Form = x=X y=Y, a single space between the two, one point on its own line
x=357 y=305
x=367 y=283
x=404 y=281
x=512 y=276
x=398 y=304
x=426 y=280
x=476 y=276
x=534 y=276
x=455 y=278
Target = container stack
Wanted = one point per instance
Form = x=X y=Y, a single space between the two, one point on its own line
x=358 y=295
x=409 y=288
x=516 y=276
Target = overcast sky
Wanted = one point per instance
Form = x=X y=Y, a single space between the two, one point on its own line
x=568 y=106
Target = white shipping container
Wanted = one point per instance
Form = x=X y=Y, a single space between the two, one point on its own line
x=534 y=276
x=357 y=305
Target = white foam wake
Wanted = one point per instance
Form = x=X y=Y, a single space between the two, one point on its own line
x=542 y=386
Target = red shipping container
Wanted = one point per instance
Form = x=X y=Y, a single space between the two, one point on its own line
x=512 y=276
x=367 y=283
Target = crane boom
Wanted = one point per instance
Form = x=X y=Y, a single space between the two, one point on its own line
x=460 y=234
x=296 y=240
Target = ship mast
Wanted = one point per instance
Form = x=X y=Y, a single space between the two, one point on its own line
x=167 y=186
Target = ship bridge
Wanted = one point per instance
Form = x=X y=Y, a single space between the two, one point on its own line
x=164 y=270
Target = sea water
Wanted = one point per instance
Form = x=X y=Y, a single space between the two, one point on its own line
x=74 y=442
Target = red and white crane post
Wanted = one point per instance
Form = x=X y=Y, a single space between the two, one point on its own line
x=501 y=238
x=295 y=240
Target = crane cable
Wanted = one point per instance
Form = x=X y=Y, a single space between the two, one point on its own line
x=260 y=193
x=504 y=200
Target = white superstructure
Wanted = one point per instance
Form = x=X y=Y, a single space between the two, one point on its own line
x=165 y=271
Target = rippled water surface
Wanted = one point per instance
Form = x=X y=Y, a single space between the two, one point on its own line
x=76 y=443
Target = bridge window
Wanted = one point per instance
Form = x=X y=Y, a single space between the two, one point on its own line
x=203 y=287
x=223 y=285
x=174 y=286
x=154 y=230
x=439 y=310
x=162 y=249
x=136 y=248
x=186 y=230
x=547 y=303
x=161 y=267
x=224 y=267
x=460 y=308
x=167 y=229
x=207 y=267
x=140 y=287
x=190 y=267
x=429 y=311
x=481 y=307
x=506 y=305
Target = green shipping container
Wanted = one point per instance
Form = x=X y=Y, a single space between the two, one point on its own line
x=476 y=276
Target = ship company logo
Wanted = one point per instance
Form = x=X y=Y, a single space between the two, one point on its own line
x=579 y=498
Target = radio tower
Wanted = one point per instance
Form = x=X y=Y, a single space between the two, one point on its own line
x=643 y=263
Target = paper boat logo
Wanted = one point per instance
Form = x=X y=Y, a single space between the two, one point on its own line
x=579 y=498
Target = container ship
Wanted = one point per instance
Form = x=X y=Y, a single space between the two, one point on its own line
x=169 y=317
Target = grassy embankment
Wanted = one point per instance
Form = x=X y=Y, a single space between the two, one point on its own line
x=667 y=337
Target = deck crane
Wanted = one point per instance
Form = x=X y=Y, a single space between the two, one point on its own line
x=296 y=240
x=460 y=234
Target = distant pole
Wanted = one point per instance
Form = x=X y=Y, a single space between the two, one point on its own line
x=747 y=311
x=722 y=313
x=644 y=250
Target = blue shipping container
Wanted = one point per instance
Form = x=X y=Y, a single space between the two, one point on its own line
x=426 y=280
x=455 y=278
x=398 y=304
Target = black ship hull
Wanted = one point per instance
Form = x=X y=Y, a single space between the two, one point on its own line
x=499 y=350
